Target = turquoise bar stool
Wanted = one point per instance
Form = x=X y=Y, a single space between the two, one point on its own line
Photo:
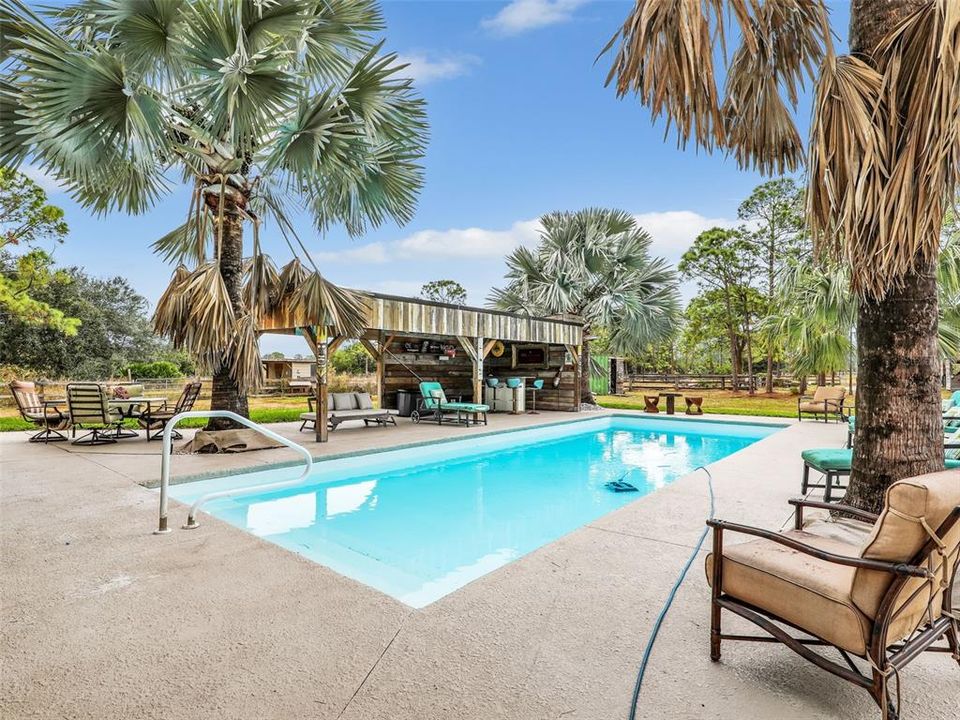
x=513 y=384
x=493 y=383
x=535 y=387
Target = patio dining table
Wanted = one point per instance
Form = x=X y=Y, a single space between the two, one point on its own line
x=120 y=404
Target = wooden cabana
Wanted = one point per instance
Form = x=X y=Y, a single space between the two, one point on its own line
x=456 y=345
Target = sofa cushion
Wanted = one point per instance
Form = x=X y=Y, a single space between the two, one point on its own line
x=810 y=593
x=898 y=536
x=364 y=401
x=344 y=401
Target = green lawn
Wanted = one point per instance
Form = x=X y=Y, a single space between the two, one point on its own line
x=717 y=402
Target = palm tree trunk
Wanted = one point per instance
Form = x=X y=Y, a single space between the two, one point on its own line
x=899 y=427
x=226 y=394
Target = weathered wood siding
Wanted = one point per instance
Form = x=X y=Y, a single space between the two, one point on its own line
x=456 y=375
x=413 y=317
x=550 y=398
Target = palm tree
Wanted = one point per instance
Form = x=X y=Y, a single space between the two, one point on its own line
x=817 y=313
x=882 y=160
x=594 y=263
x=261 y=108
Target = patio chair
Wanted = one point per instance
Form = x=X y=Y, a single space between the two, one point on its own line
x=826 y=400
x=89 y=408
x=836 y=463
x=435 y=405
x=33 y=409
x=156 y=420
x=882 y=592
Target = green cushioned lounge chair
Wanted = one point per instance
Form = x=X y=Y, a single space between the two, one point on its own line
x=835 y=463
x=435 y=405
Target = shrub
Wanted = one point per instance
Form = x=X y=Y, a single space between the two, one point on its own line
x=158 y=369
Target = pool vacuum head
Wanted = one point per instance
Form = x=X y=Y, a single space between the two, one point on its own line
x=620 y=486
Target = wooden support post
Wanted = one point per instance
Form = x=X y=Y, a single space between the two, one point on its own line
x=478 y=373
x=473 y=347
x=317 y=338
x=575 y=350
x=335 y=342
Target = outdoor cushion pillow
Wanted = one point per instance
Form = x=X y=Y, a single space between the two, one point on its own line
x=343 y=401
x=952 y=412
x=364 y=401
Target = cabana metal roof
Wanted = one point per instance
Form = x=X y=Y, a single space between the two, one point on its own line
x=417 y=317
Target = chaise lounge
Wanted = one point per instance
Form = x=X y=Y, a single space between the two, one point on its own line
x=349 y=406
x=878 y=588
x=436 y=406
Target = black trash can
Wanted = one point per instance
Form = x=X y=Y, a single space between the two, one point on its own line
x=407 y=402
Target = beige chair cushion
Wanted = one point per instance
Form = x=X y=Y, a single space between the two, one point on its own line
x=812 y=594
x=824 y=394
x=897 y=536
x=828 y=392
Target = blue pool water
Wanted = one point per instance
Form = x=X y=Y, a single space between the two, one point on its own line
x=418 y=523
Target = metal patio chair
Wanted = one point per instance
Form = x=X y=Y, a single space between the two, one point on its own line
x=89 y=408
x=34 y=410
x=880 y=591
x=156 y=420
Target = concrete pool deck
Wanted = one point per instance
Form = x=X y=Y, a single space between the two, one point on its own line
x=102 y=619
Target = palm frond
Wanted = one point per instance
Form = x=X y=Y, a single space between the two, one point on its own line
x=246 y=366
x=332 y=306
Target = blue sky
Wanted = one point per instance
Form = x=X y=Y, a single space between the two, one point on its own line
x=520 y=124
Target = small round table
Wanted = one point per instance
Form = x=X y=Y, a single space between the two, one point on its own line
x=671 y=401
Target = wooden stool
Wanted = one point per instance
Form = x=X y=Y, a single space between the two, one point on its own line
x=693 y=405
x=651 y=403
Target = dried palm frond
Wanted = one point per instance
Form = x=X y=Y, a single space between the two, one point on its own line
x=885 y=151
x=666 y=58
x=292 y=276
x=211 y=311
x=323 y=303
x=246 y=367
x=847 y=157
x=262 y=289
x=172 y=315
x=759 y=127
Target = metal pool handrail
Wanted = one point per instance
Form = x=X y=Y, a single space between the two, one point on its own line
x=165 y=465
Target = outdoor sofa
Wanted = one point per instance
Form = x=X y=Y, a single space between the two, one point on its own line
x=349 y=406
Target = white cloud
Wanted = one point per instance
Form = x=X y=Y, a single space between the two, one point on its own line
x=425 y=69
x=451 y=244
x=375 y=252
x=522 y=15
x=42 y=178
x=474 y=256
x=673 y=231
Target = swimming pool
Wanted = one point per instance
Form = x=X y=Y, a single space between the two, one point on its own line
x=420 y=522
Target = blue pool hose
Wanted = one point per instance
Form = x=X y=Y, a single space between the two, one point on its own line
x=666 y=606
